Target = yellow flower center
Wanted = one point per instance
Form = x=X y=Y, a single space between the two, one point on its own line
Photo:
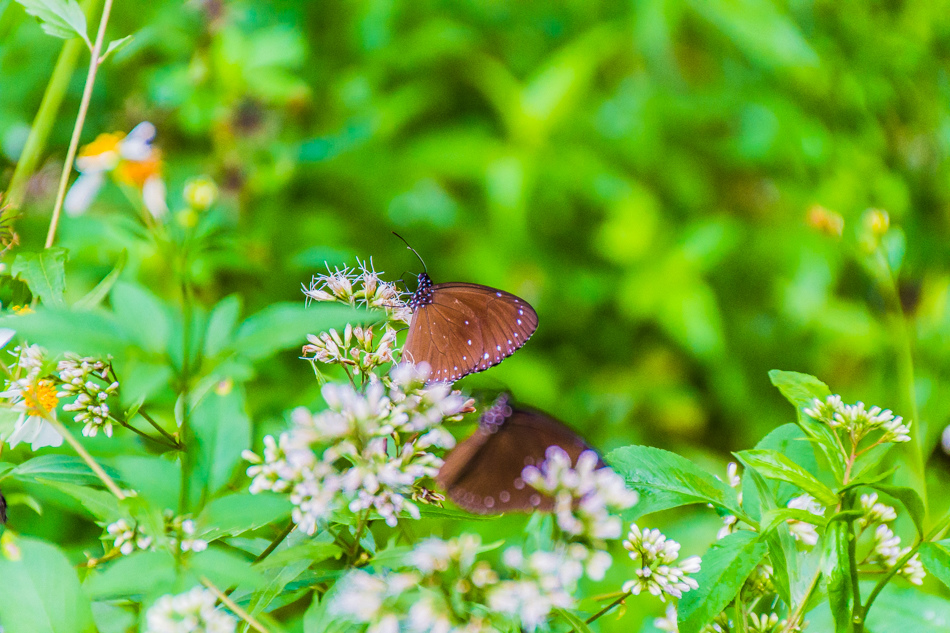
x=41 y=396
x=104 y=143
x=136 y=172
x=21 y=309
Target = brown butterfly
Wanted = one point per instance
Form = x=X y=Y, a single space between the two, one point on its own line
x=483 y=473
x=3 y=510
x=462 y=328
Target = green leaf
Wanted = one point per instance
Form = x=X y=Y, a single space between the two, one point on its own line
x=791 y=441
x=936 y=560
x=316 y=549
x=59 y=18
x=222 y=430
x=225 y=568
x=576 y=623
x=41 y=592
x=143 y=316
x=138 y=574
x=221 y=324
x=115 y=46
x=241 y=512
x=910 y=499
x=57 y=468
x=782 y=550
x=774 y=465
x=85 y=333
x=773 y=518
x=836 y=567
x=666 y=480
x=94 y=297
x=799 y=389
x=99 y=503
x=286 y=325
x=44 y=272
x=907 y=609
x=725 y=568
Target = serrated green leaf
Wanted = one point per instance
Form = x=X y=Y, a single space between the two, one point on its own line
x=724 y=569
x=41 y=592
x=44 y=273
x=666 y=480
x=59 y=18
x=774 y=465
x=235 y=514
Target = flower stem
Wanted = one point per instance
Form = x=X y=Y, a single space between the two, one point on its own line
x=276 y=542
x=86 y=457
x=608 y=608
x=146 y=435
x=905 y=368
x=158 y=427
x=80 y=120
x=796 y=616
x=230 y=604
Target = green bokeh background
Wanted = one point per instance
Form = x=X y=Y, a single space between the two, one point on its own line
x=640 y=171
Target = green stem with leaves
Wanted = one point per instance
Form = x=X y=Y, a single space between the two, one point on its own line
x=46 y=114
x=94 y=62
x=84 y=454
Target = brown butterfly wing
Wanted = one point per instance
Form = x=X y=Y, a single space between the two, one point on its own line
x=462 y=328
x=483 y=473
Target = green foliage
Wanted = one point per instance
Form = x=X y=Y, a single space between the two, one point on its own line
x=644 y=174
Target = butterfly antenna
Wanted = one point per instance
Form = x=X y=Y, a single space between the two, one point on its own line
x=424 y=267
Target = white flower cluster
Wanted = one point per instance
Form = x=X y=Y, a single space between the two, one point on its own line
x=544 y=581
x=758 y=623
x=78 y=376
x=180 y=532
x=857 y=421
x=359 y=286
x=658 y=571
x=355 y=347
x=417 y=600
x=886 y=549
x=190 y=612
x=357 y=452
x=586 y=496
x=803 y=531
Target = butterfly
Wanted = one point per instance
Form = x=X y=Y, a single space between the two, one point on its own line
x=3 y=509
x=462 y=328
x=483 y=473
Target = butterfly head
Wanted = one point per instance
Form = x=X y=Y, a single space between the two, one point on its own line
x=423 y=294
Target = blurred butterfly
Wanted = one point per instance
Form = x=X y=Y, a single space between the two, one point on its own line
x=3 y=510
x=483 y=473
x=462 y=328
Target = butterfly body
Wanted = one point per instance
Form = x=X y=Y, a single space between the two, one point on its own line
x=483 y=473
x=462 y=328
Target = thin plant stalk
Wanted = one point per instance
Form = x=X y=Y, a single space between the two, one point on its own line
x=230 y=604
x=46 y=114
x=84 y=454
x=80 y=121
